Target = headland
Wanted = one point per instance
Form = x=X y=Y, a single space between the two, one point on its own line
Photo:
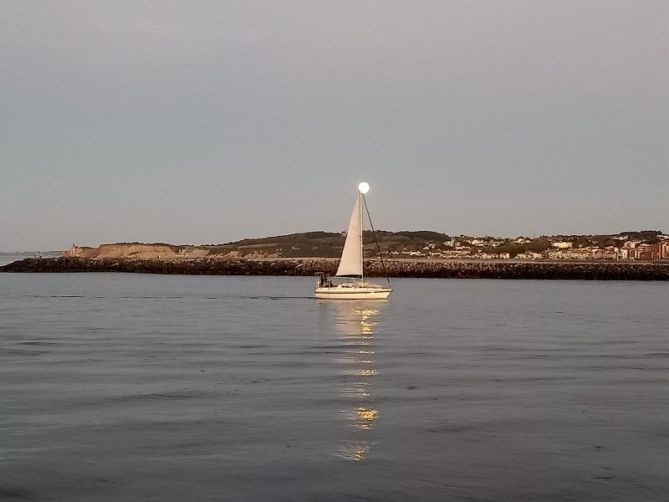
x=626 y=256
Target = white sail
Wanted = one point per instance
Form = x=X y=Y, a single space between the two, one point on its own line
x=350 y=264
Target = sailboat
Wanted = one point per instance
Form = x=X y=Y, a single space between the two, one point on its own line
x=351 y=263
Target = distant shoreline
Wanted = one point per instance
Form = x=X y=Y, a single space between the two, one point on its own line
x=462 y=269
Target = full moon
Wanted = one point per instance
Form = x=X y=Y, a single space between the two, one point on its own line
x=363 y=187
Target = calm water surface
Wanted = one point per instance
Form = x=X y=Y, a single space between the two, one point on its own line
x=141 y=387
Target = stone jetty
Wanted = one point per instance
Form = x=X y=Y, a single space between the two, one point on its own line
x=648 y=271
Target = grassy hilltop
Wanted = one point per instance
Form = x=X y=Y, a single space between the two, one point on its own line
x=328 y=244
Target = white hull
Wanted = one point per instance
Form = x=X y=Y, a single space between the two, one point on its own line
x=352 y=292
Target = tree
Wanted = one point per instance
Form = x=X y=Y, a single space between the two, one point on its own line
x=539 y=245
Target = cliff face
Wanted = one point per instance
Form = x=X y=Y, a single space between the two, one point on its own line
x=136 y=251
x=140 y=251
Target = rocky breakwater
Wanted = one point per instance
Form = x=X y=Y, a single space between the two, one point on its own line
x=658 y=271
x=195 y=266
x=396 y=268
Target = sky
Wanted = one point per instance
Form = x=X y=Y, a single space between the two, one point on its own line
x=211 y=121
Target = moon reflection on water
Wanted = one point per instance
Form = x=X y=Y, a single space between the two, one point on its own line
x=356 y=326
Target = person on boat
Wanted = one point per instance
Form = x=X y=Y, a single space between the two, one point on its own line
x=324 y=282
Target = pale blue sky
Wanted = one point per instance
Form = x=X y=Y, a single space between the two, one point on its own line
x=209 y=121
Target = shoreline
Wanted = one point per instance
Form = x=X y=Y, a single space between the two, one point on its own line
x=447 y=269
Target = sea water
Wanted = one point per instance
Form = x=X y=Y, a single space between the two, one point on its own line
x=147 y=387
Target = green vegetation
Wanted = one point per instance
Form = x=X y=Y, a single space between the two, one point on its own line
x=329 y=244
x=641 y=235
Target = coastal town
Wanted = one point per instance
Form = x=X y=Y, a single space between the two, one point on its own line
x=634 y=246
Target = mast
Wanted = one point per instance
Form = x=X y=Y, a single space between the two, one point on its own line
x=362 y=245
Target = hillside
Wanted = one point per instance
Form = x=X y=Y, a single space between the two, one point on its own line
x=328 y=244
